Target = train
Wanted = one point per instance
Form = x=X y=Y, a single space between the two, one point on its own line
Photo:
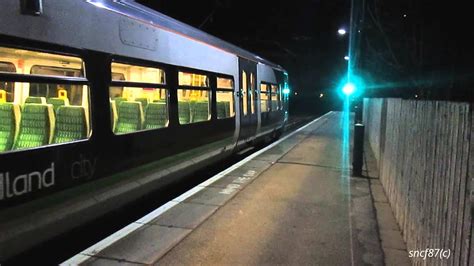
x=103 y=102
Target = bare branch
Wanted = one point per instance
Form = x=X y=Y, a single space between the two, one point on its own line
x=376 y=21
x=381 y=57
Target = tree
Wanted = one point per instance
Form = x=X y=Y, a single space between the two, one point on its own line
x=411 y=47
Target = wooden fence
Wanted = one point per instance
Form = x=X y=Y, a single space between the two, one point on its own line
x=425 y=152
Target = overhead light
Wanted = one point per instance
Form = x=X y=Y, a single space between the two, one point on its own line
x=341 y=31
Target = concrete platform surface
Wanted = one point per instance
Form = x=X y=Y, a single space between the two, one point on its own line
x=294 y=204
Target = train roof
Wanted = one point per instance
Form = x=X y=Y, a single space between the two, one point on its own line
x=137 y=11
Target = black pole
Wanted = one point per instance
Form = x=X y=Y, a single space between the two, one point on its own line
x=357 y=154
x=359 y=108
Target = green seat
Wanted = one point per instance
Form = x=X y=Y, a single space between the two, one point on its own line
x=118 y=100
x=35 y=126
x=221 y=110
x=156 y=115
x=184 y=112
x=130 y=117
x=7 y=125
x=71 y=124
x=143 y=101
x=38 y=100
x=200 y=111
x=57 y=102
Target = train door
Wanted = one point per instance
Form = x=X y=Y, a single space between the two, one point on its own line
x=248 y=101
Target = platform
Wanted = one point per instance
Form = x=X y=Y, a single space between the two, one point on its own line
x=293 y=202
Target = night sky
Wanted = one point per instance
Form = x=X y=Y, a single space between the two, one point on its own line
x=416 y=49
x=299 y=35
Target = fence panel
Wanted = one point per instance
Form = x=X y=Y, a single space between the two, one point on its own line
x=425 y=152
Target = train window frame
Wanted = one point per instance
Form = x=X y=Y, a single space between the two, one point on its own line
x=231 y=90
x=268 y=94
x=244 y=92
x=140 y=84
x=28 y=78
x=273 y=94
x=280 y=96
x=208 y=88
x=252 y=94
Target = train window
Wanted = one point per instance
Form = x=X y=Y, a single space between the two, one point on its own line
x=114 y=91
x=193 y=105
x=225 y=83
x=280 y=97
x=252 y=93
x=118 y=76
x=275 y=97
x=42 y=120
x=244 y=92
x=25 y=60
x=74 y=92
x=134 y=107
x=7 y=67
x=38 y=114
x=7 y=87
x=192 y=79
x=264 y=96
x=133 y=73
x=193 y=102
x=225 y=98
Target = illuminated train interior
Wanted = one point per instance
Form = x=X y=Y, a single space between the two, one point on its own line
x=38 y=114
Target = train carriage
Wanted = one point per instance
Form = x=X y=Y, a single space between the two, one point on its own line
x=102 y=102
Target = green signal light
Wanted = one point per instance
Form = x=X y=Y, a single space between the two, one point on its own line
x=353 y=87
x=348 y=89
x=286 y=91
